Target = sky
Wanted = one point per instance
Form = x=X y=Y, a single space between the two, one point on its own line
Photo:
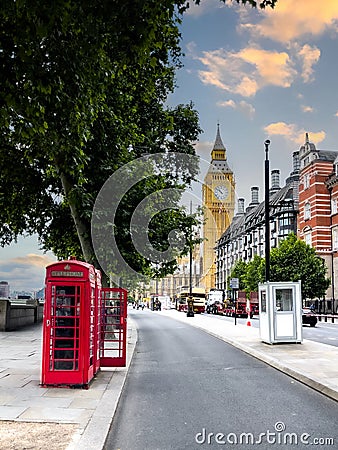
x=260 y=74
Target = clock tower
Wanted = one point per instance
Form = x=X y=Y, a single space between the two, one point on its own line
x=218 y=197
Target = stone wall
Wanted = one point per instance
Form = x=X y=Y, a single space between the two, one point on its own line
x=13 y=316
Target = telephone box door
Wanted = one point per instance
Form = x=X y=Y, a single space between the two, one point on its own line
x=62 y=328
x=113 y=343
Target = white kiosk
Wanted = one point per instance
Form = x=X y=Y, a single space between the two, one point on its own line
x=280 y=312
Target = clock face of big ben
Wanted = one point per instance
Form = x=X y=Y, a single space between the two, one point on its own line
x=221 y=192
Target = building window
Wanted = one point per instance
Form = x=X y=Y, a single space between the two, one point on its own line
x=284 y=225
x=308 y=238
x=335 y=238
x=307 y=211
x=306 y=181
x=334 y=206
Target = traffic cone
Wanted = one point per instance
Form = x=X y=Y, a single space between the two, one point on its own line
x=248 y=323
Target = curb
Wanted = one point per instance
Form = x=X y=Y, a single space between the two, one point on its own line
x=297 y=375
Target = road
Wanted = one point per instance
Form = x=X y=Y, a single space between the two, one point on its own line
x=185 y=387
x=326 y=333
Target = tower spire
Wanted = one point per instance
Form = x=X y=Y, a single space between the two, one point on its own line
x=218 y=145
x=219 y=151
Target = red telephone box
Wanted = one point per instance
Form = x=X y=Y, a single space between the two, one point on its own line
x=71 y=324
x=113 y=342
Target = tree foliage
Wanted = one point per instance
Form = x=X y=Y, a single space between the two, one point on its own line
x=239 y=271
x=82 y=91
x=254 y=274
x=292 y=260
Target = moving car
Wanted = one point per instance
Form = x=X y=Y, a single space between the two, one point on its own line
x=308 y=317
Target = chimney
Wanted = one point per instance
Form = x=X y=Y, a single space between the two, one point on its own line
x=295 y=162
x=254 y=195
x=240 y=206
x=275 y=180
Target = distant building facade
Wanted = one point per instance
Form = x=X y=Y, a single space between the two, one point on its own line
x=171 y=284
x=245 y=237
x=4 y=289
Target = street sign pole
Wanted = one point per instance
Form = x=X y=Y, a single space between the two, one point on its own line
x=234 y=284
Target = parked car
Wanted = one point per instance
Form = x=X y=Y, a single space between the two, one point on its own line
x=308 y=317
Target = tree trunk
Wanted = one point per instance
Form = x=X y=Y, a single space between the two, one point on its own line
x=82 y=228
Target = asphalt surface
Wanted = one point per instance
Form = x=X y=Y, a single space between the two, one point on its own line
x=86 y=415
x=184 y=385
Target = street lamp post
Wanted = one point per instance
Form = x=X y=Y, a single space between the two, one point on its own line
x=190 y=312
x=267 y=211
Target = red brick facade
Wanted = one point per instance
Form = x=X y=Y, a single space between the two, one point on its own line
x=317 y=222
x=314 y=206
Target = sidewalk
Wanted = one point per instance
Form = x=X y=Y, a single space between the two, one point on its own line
x=53 y=418
x=80 y=419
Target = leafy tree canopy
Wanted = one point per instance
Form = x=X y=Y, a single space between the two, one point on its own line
x=254 y=274
x=82 y=91
x=239 y=271
x=294 y=260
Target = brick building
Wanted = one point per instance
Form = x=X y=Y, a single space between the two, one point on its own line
x=317 y=221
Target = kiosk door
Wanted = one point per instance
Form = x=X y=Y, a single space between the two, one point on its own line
x=284 y=313
x=113 y=342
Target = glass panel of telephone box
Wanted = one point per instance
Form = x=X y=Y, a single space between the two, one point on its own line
x=65 y=328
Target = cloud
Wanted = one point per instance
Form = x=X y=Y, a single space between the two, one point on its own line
x=246 y=108
x=203 y=149
x=203 y=8
x=33 y=260
x=247 y=71
x=25 y=273
x=292 y=133
x=214 y=79
x=292 y=20
x=307 y=109
x=309 y=56
x=273 y=67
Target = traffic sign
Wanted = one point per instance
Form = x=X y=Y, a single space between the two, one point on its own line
x=234 y=283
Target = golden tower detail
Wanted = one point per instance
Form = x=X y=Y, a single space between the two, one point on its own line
x=218 y=197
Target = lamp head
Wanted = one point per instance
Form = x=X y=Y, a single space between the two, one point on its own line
x=267 y=143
